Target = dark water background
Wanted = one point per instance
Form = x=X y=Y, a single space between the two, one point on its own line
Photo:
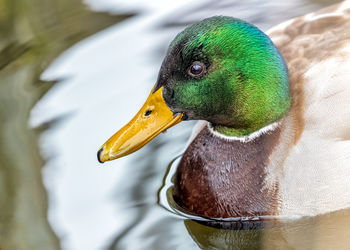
x=104 y=58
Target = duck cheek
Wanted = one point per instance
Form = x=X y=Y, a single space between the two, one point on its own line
x=169 y=96
x=173 y=100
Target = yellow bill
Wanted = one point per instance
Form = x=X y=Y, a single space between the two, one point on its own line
x=153 y=118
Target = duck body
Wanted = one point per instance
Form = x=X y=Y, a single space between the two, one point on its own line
x=275 y=142
x=302 y=166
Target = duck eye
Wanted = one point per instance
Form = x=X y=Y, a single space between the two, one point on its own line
x=196 y=69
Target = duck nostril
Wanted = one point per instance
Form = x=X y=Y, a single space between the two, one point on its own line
x=99 y=155
x=148 y=113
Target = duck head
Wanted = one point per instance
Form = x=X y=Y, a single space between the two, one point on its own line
x=222 y=70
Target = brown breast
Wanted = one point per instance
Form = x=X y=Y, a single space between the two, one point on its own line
x=217 y=178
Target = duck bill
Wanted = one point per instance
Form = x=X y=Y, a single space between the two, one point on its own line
x=153 y=118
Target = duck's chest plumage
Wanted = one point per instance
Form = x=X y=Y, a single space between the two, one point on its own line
x=219 y=178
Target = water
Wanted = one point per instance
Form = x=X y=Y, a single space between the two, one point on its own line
x=86 y=94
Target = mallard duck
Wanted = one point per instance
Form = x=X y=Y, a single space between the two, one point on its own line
x=273 y=137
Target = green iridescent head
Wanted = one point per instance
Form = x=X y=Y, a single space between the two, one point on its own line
x=227 y=72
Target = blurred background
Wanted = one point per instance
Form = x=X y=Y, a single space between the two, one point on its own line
x=72 y=73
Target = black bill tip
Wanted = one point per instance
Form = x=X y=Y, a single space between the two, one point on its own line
x=99 y=154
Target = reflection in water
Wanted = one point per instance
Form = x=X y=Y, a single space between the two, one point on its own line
x=106 y=79
x=208 y=237
x=329 y=231
x=322 y=232
x=32 y=34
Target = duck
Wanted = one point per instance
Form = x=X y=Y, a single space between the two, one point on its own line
x=273 y=111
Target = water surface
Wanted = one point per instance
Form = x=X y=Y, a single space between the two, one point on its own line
x=88 y=93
